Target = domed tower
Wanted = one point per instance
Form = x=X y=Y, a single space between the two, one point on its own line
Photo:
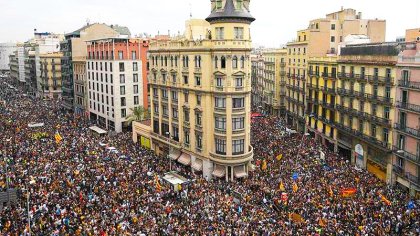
x=230 y=14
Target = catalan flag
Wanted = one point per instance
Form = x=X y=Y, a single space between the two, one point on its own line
x=279 y=157
x=264 y=165
x=281 y=186
x=295 y=187
x=331 y=192
x=384 y=199
x=157 y=184
x=57 y=137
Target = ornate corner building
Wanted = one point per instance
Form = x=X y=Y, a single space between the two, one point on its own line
x=200 y=93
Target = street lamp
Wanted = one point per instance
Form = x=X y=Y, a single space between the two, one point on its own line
x=27 y=204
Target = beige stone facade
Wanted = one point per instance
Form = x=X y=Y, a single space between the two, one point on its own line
x=50 y=65
x=200 y=94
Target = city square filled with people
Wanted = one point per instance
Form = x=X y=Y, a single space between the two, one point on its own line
x=72 y=183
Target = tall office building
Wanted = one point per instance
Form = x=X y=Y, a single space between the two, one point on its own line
x=200 y=87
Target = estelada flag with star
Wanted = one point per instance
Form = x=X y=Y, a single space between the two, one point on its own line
x=57 y=137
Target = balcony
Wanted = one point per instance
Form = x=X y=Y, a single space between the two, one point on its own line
x=345 y=75
x=233 y=159
x=345 y=92
x=380 y=99
x=328 y=90
x=328 y=105
x=407 y=130
x=409 y=84
x=360 y=135
x=406 y=155
x=373 y=79
x=409 y=107
x=329 y=75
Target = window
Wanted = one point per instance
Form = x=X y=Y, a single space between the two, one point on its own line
x=220 y=123
x=155 y=92
x=239 y=32
x=123 y=101
x=156 y=108
x=332 y=39
x=386 y=112
x=198 y=118
x=135 y=89
x=197 y=81
x=163 y=78
x=110 y=67
x=238 y=123
x=122 y=79
x=219 y=82
x=199 y=141
x=219 y=4
x=135 y=66
x=220 y=33
x=185 y=79
x=174 y=113
x=164 y=93
x=332 y=26
x=120 y=55
x=186 y=97
x=388 y=73
x=197 y=60
x=238 y=146
x=133 y=55
x=242 y=62
x=235 y=62
x=165 y=110
x=220 y=146
x=123 y=113
x=174 y=95
x=361 y=126
x=136 y=100
x=238 y=102
x=135 y=78
x=186 y=115
x=220 y=102
x=385 y=135
x=223 y=62
x=198 y=100
x=373 y=130
x=239 y=82
x=216 y=61
x=186 y=136
x=122 y=67
x=122 y=90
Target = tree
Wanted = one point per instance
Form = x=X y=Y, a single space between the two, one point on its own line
x=138 y=114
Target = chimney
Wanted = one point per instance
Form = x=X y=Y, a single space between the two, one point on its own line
x=359 y=15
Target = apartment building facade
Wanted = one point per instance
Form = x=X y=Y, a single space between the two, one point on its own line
x=322 y=37
x=201 y=94
x=115 y=84
x=321 y=100
x=406 y=146
x=366 y=100
x=50 y=65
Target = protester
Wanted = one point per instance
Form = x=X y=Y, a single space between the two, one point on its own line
x=79 y=187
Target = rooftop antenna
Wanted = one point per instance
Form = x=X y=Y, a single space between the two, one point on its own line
x=87 y=21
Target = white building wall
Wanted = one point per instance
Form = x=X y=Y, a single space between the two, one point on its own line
x=114 y=110
x=21 y=63
x=6 y=49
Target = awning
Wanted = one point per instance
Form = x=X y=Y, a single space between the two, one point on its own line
x=239 y=172
x=219 y=171
x=35 y=125
x=174 y=155
x=197 y=165
x=185 y=159
x=97 y=129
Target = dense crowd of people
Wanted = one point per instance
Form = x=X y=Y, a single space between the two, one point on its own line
x=77 y=186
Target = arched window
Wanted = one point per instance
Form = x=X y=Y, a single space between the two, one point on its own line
x=176 y=61
x=199 y=61
x=216 y=61
x=196 y=61
x=186 y=61
x=235 y=62
x=153 y=61
x=161 y=61
x=172 y=61
x=223 y=62
x=166 y=61
x=242 y=62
